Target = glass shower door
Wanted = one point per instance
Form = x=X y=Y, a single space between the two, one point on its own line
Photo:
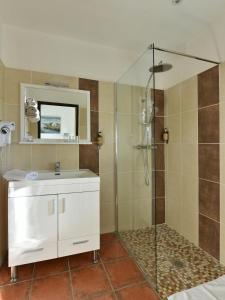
x=136 y=164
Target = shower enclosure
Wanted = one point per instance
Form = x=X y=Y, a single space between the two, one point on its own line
x=157 y=146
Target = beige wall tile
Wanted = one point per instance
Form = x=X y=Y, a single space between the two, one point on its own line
x=68 y=155
x=106 y=125
x=125 y=186
x=125 y=157
x=3 y=220
x=107 y=213
x=12 y=113
x=125 y=129
x=13 y=78
x=106 y=158
x=42 y=78
x=143 y=213
x=189 y=208
x=189 y=94
x=138 y=94
x=174 y=157
x=138 y=159
x=43 y=157
x=140 y=189
x=173 y=200
x=173 y=123
x=182 y=159
x=173 y=100
x=124 y=97
x=2 y=77
x=190 y=127
x=20 y=157
x=190 y=159
x=106 y=96
x=1 y=109
x=125 y=216
x=107 y=187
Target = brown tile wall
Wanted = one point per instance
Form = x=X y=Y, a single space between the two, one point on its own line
x=159 y=159
x=209 y=161
x=89 y=154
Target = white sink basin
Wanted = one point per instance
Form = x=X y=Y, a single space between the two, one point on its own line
x=64 y=174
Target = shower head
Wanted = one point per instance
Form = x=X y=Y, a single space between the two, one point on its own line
x=160 y=68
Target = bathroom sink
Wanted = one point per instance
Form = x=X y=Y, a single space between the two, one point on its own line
x=65 y=174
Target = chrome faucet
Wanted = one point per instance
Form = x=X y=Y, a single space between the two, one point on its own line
x=57 y=168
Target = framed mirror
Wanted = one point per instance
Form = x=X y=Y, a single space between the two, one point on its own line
x=54 y=115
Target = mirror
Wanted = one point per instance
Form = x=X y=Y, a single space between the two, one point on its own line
x=54 y=115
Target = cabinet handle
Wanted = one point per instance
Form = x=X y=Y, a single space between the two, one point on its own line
x=63 y=206
x=33 y=250
x=51 y=207
x=81 y=242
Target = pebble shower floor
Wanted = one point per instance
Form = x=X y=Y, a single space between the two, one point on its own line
x=178 y=264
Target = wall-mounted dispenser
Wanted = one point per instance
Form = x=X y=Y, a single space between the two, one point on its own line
x=100 y=140
x=6 y=128
x=165 y=135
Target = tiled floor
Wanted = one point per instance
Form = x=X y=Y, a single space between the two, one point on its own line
x=178 y=263
x=116 y=276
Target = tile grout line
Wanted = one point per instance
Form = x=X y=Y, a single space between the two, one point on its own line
x=201 y=214
x=31 y=284
x=70 y=279
x=108 y=277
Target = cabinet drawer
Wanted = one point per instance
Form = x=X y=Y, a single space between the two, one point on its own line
x=32 y=190
x=78 y=245
x=78 y=187
x=19 y=256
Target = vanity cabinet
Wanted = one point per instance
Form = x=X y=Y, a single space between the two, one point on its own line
x=52 y=218
x=78 y=226
x=32 y=229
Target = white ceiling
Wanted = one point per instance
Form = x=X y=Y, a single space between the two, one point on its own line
x=123 y=24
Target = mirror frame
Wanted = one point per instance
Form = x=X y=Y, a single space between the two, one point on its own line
x=24 y=140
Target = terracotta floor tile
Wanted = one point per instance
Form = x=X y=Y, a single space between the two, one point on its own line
x=17 y=291
x=24 y=272
x=108 y=296
x=81 y=260
x=123 y=272
x=108 y=237
x=138 y=292
x=50 y=267
x=112 y=250
x=89 y=281
x=55 y=287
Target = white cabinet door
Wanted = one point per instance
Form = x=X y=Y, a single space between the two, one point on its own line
x=78 y=215
x=32 y=228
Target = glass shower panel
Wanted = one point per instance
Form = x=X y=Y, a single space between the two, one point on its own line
x=182 y=92
x=135 y=162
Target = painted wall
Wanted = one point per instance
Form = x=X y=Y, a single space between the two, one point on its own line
x=31 y=50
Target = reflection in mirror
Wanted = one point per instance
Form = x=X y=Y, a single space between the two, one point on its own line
x=54 y=115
